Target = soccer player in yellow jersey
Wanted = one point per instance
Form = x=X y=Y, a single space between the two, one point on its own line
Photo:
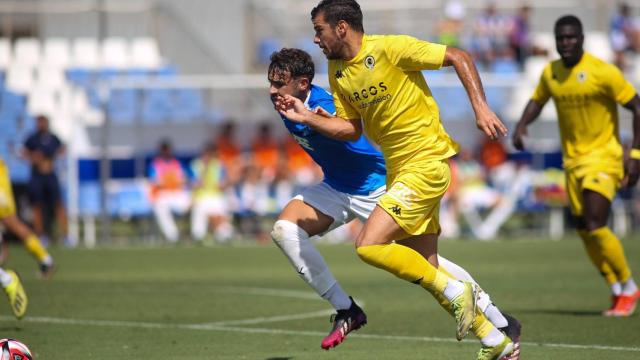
x=377 y=81
x=9 y=219
x=586 y=91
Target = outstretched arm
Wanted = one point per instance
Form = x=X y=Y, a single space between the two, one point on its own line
x=632 y=165
x=332 y=126
x=530 y=114
x=486 y=120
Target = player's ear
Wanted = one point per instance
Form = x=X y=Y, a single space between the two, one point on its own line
x=304 y=84
x=341 y=27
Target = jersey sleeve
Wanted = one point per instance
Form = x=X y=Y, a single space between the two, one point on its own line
x=542 y=94
x=617 y=86
x=342 y=107
x=411 y=54
x=328 y=105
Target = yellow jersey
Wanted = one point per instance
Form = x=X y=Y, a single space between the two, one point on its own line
x=585 y=97
x=383 y=85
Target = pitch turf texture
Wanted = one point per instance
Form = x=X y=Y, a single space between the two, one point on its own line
x=245 y=302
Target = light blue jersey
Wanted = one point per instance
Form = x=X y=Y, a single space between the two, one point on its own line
x=353 y=167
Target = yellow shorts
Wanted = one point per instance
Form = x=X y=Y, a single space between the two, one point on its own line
x=413 y=197
x=7 y=205
x=602 y=179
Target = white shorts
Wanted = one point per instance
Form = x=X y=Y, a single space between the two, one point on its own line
x=211 y=205
x=342 y=207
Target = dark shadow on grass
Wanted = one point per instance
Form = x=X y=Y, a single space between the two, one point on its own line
x=10 y=328
x=562 y=312
x=279 y=358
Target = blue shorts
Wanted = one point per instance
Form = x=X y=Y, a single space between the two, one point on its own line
x=44 y=188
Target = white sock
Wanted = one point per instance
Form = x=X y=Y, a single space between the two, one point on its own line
x=48 y=260
x=495 y=337
x=495 y=316
x=303 y=256
x=5 y=278
x=629 y=287
x=491 y=311
x=337 y=297
x=616 y=288
x=484 y=301
x=453 y=289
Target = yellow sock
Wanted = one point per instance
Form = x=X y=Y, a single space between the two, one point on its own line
x=612 y=251
x=595 y=254
x=35 y=248
x=481 y=327
x=406 y=264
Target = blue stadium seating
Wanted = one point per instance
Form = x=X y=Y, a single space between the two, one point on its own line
x=188 y=105
x=156 y=106
x=166 y=71
x=130 y=200
x=266 y=47
x=80 y=77
x=505 y=66
x=13 y=103
x=89 y=198
x=122 y=105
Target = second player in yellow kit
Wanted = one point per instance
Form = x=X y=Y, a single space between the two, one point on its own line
x=378 y=87
x=586 y=92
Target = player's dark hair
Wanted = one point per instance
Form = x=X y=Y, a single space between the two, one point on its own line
x=336 y=10
x=294 y=61
x=571 y=20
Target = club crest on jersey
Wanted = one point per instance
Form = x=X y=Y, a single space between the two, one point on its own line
x=582 y=76
x=369 y=62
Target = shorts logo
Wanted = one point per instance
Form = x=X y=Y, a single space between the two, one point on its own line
x=402 y=194
x=369 y=62
x=396 y=210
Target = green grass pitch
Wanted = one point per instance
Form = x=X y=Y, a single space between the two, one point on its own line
x=245 y=302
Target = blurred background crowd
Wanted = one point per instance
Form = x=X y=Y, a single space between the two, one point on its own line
x=167 y=132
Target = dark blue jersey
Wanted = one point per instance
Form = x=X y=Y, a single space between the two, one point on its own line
x=354 y=167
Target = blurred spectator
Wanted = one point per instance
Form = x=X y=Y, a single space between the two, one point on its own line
x=231 y=158
x=519 y=35
x=449 y=29
x=228 y=150
x=254 y=202
x=265 y=152
x=168 y=190
x=491 y=36
x=300 y=165
x=449 y=207
x=476 y=196
x=41 y=149
x=624 y=35
x=209 y=206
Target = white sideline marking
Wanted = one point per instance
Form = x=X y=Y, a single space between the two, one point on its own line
x=308 y=295
x=260 y=320
x=212 y=327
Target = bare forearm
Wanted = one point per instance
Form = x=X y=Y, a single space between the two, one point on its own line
x=634 y=106
x=334 y=127
x=468 y=75
x=530 y=114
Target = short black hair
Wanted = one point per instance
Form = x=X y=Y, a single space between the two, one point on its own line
x=294 y=61
x=336 y=10
x=568 y=20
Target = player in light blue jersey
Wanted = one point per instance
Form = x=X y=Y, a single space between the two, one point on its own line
x=354 y=181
